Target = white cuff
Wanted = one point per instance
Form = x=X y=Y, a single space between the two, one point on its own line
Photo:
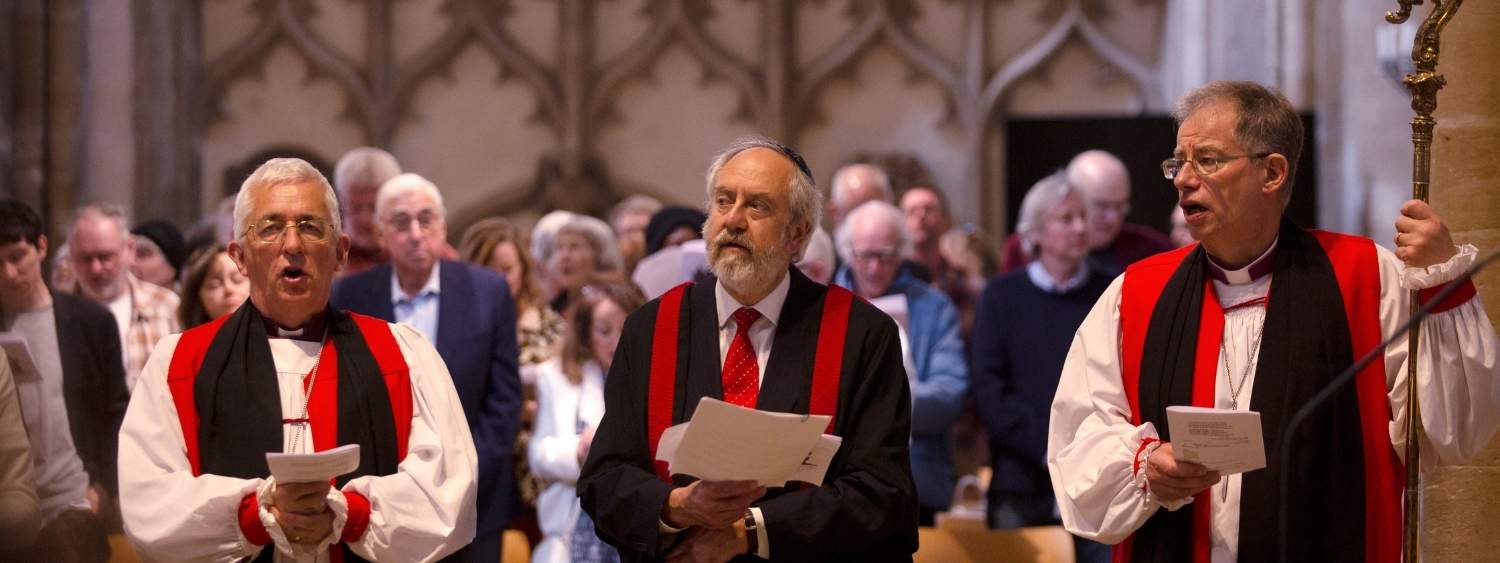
x=1144 y=485
x=340 y=507
x=762 y=538
x=1413 y=278
x=663 y=527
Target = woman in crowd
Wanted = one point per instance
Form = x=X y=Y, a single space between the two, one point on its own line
x=585 y=248
x=495 y=243
x=213 y=287
x=1025 y=323
x=570 y=389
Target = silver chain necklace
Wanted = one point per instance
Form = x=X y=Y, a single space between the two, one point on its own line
x=307 y=397
x=1234 y=390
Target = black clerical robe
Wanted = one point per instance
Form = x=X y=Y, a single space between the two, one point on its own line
x=865 y=511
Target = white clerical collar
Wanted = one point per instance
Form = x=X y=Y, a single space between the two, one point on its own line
x=1257 y=268
x=433 y=286
x=769 y=306
x=1043 y=279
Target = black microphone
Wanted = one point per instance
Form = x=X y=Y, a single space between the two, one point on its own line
x=1348 y=375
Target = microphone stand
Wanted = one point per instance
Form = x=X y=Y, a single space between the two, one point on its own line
x=1348 y=375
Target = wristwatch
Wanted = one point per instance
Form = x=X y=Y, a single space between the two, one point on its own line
x=752 y=537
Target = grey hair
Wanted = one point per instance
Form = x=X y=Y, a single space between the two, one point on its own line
x=407 y=184
x=1265 y=120
x=806 y=202
x=606 y=251
x=882 y=214
x=364 y=166
x=882 y=182
x=103 y=211
x=1044 y=196
x=281 y=172
x=544 y=234
x=636 y=203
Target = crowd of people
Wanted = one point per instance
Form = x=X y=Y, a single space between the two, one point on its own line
x=516 y=380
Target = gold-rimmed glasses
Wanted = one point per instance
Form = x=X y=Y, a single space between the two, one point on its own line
x=1203 y=165
x=270 y=231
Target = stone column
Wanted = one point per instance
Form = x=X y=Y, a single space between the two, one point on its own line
x=1460 y=522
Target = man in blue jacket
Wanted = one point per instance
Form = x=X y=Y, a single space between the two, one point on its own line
x=467 y=311
x=871 y=242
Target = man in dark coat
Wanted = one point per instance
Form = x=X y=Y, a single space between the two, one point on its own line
x=750 y=337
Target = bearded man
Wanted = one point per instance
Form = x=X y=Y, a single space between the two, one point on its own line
x=760 y=335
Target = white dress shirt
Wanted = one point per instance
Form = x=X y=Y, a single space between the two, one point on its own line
x=421 y=312
x=762 y=333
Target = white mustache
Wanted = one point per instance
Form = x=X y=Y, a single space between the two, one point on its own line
x=726 y=238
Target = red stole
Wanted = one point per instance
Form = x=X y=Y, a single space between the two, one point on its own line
x=322 y=407
x=1355 y=265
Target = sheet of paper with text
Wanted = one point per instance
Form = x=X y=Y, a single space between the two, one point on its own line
x=724 y=442
x=1223 y=440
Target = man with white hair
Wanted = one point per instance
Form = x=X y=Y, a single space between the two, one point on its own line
x=102 y=249
x=872 y=241
x=467 y=311
x=358 y=177
x=288 y=373
x=761 y=335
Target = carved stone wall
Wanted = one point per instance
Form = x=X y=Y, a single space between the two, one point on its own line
x=517 y=106
x=525 y=105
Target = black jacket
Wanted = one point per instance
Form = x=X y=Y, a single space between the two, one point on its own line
x=88 y=341
x=866 y=509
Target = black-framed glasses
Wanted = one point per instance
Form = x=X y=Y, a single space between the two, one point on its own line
x=270 y=231
x=1203 y=165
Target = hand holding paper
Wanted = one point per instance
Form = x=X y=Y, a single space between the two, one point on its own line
x=724 y=442
x=1227 y=441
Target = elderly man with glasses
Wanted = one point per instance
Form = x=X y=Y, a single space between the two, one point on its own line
x=872 y=241
x=288 y=373
x=468 y=312
x=1260 y=317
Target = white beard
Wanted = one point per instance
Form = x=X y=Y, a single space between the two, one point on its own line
x=758 y=269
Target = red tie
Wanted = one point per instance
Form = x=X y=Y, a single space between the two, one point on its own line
x=741 y=370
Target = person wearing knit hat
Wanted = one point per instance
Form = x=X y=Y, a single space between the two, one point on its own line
x=672 y=226
x=159 y=253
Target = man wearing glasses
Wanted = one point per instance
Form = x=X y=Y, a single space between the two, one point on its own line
x=1260 y=317
x=467 y=311
x=289 y=373
x=872 y=241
